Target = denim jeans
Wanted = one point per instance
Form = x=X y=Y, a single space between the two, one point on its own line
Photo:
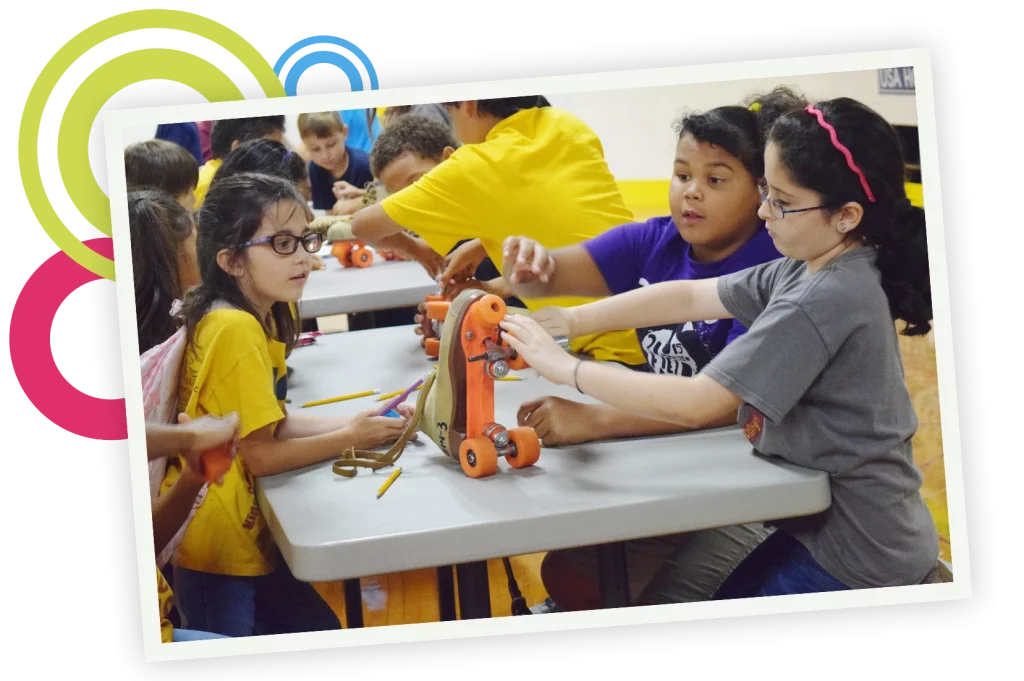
x=780 y=565
x=277 y=603
x=190 y=635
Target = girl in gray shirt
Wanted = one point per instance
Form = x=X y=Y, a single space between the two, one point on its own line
x=818 y=378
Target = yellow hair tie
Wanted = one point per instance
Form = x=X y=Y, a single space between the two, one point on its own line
x=756 y=106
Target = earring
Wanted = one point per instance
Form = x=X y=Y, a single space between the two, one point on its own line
x=842 y=227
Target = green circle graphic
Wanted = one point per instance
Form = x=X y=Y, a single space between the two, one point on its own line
x=73 y=143
x=100 y=86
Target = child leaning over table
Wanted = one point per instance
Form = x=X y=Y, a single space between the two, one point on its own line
x=523 y=169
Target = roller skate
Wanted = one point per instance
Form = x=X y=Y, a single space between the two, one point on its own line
x=458 y=409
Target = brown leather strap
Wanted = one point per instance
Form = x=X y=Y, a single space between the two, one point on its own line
x=354 y=459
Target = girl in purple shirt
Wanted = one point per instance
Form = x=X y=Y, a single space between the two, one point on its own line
x=713 y=229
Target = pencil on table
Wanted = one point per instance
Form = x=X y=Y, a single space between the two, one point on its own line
x=387 y=483
x=341 y=398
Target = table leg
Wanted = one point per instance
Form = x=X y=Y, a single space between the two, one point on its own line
x=353 y=604
x=611 y=575
x=474 y=590
x=446 y=593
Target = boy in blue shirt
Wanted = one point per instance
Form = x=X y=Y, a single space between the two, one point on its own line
x=338 y=173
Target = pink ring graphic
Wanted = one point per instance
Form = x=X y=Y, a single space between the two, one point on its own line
x=32 y=357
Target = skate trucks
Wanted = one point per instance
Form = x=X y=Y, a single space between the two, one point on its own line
x=455 y=408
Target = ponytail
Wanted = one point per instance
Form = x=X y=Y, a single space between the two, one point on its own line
x=903 y=263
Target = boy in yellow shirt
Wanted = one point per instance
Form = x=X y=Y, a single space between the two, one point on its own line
x=523 y=169
x=226 y=135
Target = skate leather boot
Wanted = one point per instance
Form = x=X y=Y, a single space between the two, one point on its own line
x=458 y=412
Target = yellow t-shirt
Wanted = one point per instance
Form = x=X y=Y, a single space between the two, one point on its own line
x=166 y=597
x=540 y=173
x=206 y=173
x=231 y=365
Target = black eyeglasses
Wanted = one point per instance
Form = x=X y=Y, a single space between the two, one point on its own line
x=287 y=244
x=777 y=211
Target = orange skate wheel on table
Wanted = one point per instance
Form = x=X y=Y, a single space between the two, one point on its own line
x=437 y=310
x=478 y=457
x=433 y=347
x=341 y=250
x=527 y=447
x=434 y=299
x=488 y=310
x=362 y=257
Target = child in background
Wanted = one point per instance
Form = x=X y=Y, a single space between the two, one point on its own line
x=163 y=238
x=438 y=112
x=832 y=397
x=334 y=162
x=713 y=229
x=204 y=139
x=186 y=135
x=268 y=157
x=363 y=128
x=159 y=164
x=255 y=250
x=523 y=169
x=227 y=134
x=190 y=439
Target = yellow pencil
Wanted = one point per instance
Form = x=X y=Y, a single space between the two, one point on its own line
x=342 y=398
x=510 y=378
x=394 y=394
x=387 y=483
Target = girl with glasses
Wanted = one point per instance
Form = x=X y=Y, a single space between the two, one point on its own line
x=818 y=378
x=255 y=253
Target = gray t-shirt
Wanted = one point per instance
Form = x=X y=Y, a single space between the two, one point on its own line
x=821 y=377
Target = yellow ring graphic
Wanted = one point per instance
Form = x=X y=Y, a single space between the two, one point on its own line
x=50 y=77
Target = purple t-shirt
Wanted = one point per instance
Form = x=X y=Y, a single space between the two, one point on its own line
x=641 y=254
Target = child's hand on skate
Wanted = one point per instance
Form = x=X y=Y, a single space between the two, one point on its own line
x=526 y=261
x=539 y=349
x=371 y=431
x=207 y=433
x=557 y=321
x=461 y=264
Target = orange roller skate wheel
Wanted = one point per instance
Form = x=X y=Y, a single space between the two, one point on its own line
x=216 y=462
x=527 y=447
x=341 y=250
x=517 y=364
x=437 y=310
x=362 y=257
x=435 y=299
x=478 y=457
x=433 y=347
x=488 y=310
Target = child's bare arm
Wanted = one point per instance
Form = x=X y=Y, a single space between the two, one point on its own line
x=172 y=508
x=372 y=224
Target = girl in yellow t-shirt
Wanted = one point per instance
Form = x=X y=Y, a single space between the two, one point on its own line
x=255 y=253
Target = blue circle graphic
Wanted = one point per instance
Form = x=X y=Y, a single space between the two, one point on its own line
x=333 y=58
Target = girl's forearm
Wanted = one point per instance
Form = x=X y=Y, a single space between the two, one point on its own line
x=272 y=456
x=298 y=425
x=671 y=302
x=167 y=440
x=687 y=403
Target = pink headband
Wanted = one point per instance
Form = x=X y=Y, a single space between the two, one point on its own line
x=846 y=152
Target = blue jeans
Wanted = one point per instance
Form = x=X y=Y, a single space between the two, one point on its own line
x=190 y=635
x=779 y=566
x=277 y=603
